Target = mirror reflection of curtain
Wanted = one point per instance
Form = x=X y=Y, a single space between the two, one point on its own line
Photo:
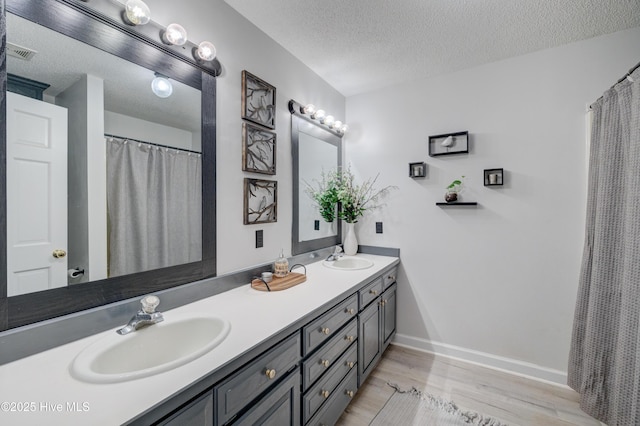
x=154 y=206
x=604 y=362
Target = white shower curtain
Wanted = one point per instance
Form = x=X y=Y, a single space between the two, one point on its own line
x=154 y=206
x=604 y=363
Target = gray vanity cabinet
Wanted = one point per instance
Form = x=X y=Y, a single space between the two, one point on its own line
x=280 y=407
x=305 y=376
x=197 y=413
x=368 y=340
x=388 y=315
x=235 y=393
x=376 y=322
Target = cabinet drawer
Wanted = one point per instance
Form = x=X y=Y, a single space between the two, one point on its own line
x=370 y=292
x=322 y=328
x=280 y=407
x=333 y=408
x=326 y=357
x=389 y=277
x=321 y=391
x=233 y=394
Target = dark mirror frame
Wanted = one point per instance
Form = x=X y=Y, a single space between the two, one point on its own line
x=300 y=123
x=101 y=26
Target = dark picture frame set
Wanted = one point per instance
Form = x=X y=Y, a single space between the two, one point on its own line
x=259 y=145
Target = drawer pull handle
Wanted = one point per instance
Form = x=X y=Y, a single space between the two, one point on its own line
x=383 y=302
x=325 y=363
x=270 y=373
x=350 y=393
x=350 y=338
x=325 y=394
x=351 y=311
x=350 y=364
x=391 y=277
x=325 y=330
x=374 y=292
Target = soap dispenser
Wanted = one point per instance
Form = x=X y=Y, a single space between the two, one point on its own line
x=281 y=266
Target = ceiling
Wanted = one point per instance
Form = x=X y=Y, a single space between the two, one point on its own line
x=362 y=45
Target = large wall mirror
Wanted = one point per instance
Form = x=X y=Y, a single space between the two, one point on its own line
x=315 y=150
x=110 y=189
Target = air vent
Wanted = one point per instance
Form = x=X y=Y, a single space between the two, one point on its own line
x=20 y=52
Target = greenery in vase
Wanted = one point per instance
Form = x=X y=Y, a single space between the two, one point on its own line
x=340 y=187
x=325 y=194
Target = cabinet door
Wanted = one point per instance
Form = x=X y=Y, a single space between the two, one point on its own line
x=368 y=340
x=196 y=413
x=280 y=407
x=388 y=326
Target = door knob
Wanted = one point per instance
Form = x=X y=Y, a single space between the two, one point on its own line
x=59 y=254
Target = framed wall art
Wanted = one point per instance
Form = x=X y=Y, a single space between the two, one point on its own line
x=449 y=143
x=258 y=150
x=258 y=101
x=260 y=201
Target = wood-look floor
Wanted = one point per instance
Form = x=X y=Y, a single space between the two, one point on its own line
x=511 y=399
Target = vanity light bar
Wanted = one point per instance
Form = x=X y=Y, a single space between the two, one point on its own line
x=310 y=111
x=136 y=13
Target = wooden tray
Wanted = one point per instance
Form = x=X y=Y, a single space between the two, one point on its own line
x=277 y=284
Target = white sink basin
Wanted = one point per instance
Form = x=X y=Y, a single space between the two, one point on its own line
x=349 y=263
x=151 y=350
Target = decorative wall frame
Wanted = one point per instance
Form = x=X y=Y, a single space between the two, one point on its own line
x=449 y=143
x=258 y=100
x=260 y=201
x=493 y=177
x=417 y=170
x=258 y=150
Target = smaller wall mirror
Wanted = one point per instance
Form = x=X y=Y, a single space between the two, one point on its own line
x=315 y=151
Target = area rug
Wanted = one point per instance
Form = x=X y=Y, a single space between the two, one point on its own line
x=416 y=408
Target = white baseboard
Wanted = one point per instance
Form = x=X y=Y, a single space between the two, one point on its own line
x=508 y=365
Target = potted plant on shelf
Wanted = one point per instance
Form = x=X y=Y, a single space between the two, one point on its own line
x=453 y=189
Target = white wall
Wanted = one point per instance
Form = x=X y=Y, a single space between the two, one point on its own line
x=497 y=283
x=240 y=45
x=87 y=244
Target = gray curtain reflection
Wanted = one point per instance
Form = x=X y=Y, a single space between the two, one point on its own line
x=154 y=206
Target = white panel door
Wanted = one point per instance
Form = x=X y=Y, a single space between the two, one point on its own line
x=36 y=195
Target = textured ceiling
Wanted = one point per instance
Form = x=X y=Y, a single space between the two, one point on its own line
x=362 y=45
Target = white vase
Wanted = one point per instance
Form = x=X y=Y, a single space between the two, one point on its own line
x=350 y=241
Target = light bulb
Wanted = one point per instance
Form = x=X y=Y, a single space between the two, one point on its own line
x=137 y=12
x=344 y=128
x=337 y=125
x=329 y=120
x=161 y=86
x=206 y=51
x=309 y=109
x=175 y=34
x=320 y=114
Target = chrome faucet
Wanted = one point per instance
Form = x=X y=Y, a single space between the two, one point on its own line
x=145 y=316
x=337 y=254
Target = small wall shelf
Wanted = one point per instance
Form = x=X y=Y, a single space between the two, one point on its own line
x=458 y=203
x=417 y=170
x=493 y=177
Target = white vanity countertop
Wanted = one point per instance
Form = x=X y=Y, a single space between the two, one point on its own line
x=42 y=383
